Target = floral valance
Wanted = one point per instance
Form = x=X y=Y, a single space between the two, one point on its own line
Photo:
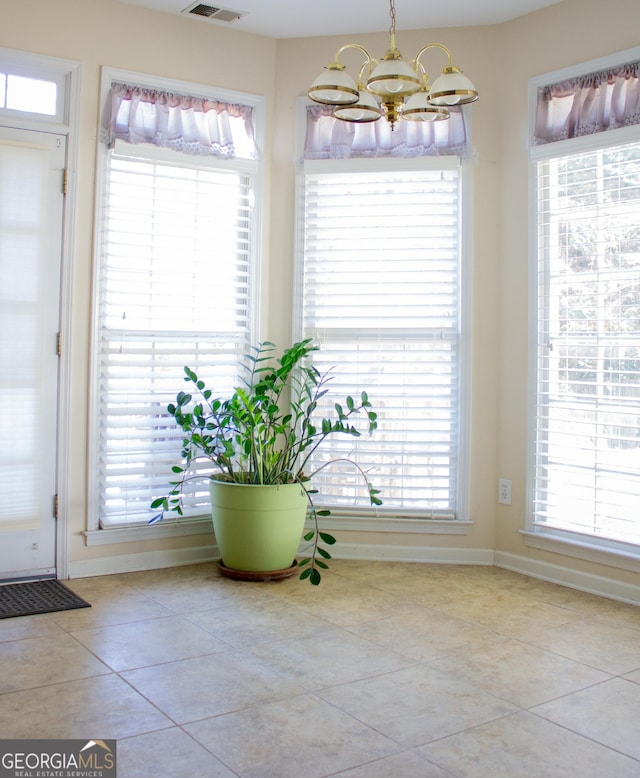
x=592 y=103
x=196 y=125
x=330 y=138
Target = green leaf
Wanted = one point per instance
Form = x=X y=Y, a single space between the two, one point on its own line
x=159 y=503
x=314 y=576
x=177 y=469
x=324 y=553
x=307 y=574
x=327 y=538
x=309 y=535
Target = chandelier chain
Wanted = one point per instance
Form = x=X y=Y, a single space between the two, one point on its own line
x=392 y=14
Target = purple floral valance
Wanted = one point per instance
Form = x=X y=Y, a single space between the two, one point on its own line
x=196 y=125
x=592 y=103
x=331 y=138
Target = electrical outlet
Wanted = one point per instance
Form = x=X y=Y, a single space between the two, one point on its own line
x=504 y=491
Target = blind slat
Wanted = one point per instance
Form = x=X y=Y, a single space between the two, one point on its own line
x=587 y=446
x=380 y=296
x=173 y=290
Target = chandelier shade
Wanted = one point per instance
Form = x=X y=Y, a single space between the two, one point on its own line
x=365 y=109
x=392 y=87
x=334 y=87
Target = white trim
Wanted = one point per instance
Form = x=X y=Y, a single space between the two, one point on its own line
x=168 y=528
x=153 y=560
x=373 y=552
x=583 y=547
x=39 y=66
x=575 y=579
x=145 y=560
x=399 y=524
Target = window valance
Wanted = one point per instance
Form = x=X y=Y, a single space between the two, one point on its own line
x=330 y=138
x=196 y=125
x=595 y=102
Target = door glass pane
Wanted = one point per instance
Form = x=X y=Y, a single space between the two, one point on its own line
x=31 y=94
x=24 y=175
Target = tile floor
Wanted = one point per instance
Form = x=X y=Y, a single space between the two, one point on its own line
x=387 y=670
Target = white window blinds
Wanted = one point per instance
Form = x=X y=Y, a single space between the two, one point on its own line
x=380 y=296
x=173 y=289
x=587 y=440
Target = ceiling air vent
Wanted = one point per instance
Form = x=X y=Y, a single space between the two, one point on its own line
x=213 y=13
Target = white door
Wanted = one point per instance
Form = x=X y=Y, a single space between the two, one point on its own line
x=31 y=211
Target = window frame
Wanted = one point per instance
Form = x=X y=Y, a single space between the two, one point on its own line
x=399 y=522
x=578 y=545
x=95 y=534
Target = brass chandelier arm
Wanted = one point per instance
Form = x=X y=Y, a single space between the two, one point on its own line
x=337 y=65
x=433 y=46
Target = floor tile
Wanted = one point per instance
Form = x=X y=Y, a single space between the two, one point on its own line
x=341 y=601
x=423 y=634
x=511 y=614
x=407 y=764
x=416 y=705
x=116 y=607
x=170 y=753
x=104 y=706
x=142 y=643
x=208 y=686
x=199 y=594
x=28 y=627
x=519 y=673
x=332 y=657
x=45 y=660
x=590 y=641
x=526 y=746
x=248 y=623
x=608 y=713
x=303 y=736
x=385 y=670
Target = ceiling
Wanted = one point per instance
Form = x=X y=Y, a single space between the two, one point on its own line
x=306 y=18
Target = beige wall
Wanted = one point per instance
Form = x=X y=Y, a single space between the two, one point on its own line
x=105 y=32
x=499 y=59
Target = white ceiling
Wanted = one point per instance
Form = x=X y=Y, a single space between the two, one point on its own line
x=306 y=18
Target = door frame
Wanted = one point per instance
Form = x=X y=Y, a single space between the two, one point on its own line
x=69 y=73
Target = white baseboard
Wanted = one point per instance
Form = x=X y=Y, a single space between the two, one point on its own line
x=152 y=560
x=147 y=560
x=585 y=582
x=395 y=553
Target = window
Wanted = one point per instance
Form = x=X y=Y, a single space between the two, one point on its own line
x=587 y=452
x=381 y=294
x=585 y=479
x=34 y=88
x=174 y=287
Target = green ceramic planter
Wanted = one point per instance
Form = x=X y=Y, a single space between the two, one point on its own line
x=257 y=528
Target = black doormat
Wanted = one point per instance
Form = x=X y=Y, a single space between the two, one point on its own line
x=25 y=599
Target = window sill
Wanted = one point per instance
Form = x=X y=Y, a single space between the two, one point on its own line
x=622 y=556
x=170 y=528
x=350 y=522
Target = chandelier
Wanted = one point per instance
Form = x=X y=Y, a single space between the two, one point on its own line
x=391 y=87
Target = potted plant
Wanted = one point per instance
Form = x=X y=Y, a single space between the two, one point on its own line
x=259 y=442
